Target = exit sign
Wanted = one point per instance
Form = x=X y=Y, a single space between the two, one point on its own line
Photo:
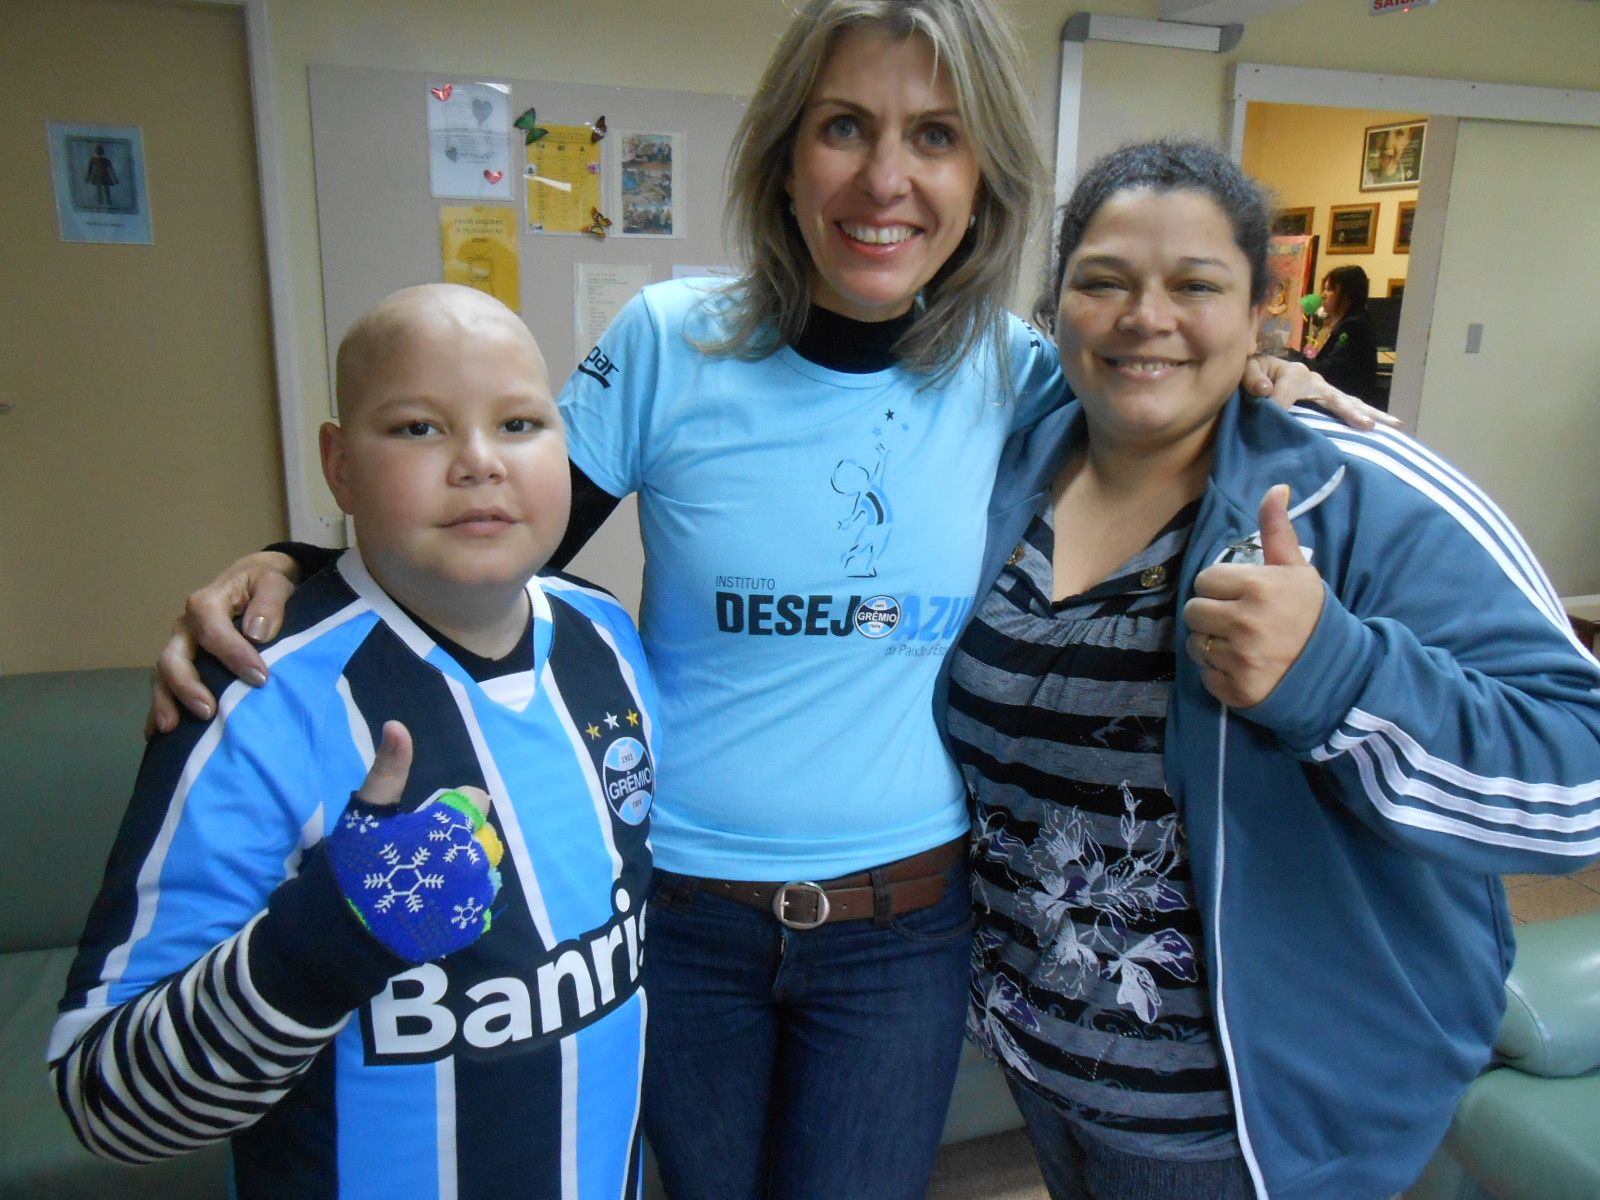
x=1382 y=7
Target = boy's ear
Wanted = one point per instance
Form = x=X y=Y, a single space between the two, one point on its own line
x=330 y=440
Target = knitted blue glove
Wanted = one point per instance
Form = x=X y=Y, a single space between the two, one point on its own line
x=422 y=881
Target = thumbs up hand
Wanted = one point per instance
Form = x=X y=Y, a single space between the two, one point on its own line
x=391 y=767
x=1248 y=623
x=423 y=883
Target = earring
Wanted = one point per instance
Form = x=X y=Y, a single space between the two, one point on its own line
x=792 y=212
x=972 y=220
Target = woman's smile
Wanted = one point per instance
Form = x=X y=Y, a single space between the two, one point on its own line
x=1155 y=320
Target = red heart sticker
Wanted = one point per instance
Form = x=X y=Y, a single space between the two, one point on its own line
x=444 y=92
x=494 y=176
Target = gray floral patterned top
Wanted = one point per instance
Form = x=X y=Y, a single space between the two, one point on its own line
x=1088 y=964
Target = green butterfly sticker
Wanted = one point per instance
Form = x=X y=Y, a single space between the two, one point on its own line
x=530 y=124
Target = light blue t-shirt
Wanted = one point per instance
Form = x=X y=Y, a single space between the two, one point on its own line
x=812 y=542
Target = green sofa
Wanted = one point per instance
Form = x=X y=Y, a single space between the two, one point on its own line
x=70 y=744
x=1529 y=1129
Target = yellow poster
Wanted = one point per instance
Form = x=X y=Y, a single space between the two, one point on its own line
x=480 y=250
x=563 y=180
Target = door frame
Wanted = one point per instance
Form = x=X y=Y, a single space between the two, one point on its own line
x=304 y=523
x=1446 y=102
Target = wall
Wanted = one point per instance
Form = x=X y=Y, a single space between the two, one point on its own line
x=1522 y=417
x=720 y=46
x=1129 y=91
x=143 y=446
x=1312 y=158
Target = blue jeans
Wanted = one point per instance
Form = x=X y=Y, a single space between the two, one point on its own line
x=801 y=1064
x=1078 y=1167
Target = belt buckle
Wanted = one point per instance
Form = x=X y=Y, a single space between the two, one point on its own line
x=780 y=904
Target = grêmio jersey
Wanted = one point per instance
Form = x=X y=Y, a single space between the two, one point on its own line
x=223 y=989
x=812 y=541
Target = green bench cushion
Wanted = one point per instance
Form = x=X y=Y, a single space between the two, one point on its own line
x=69 y=755
x=1524 y=1137
x=39 y=1155
x=1552 y=1024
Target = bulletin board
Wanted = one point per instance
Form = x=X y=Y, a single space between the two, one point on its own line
x=380 y=223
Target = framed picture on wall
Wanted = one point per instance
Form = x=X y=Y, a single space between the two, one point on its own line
x=1391 y=156
x=101 y=193
x=1397 y=289
x=1402 y=226
x=1294 y=222
x=1352 y=228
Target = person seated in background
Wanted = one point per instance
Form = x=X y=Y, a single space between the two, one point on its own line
x=252 y=904
x=1347 y=352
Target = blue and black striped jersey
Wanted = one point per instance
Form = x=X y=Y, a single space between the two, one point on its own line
x=223 y=988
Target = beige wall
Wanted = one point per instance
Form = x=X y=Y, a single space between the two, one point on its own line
x=1311 y=157
x=143 y=444
x=1522 y=417
x=721 y=46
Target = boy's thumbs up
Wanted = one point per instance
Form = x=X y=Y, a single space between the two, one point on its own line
x=1280 y=544
x=391 y=767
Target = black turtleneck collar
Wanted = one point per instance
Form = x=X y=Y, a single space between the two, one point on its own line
x=854 y=347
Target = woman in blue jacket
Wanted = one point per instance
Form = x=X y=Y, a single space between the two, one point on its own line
x=1255 y=710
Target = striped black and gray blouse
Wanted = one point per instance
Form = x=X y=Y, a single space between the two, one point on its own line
x=1089 y=969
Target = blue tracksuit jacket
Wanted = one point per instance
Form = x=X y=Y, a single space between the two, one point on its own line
x=1441 y=726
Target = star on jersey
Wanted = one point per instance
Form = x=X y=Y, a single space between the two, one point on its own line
x=593 y=731
x=633 y=717
x=611 y=721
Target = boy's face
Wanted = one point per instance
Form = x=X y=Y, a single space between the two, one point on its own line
x=452 y=458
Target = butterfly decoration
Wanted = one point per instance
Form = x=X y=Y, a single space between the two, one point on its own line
x=443 y=93
x=598 y=223
x=529 y=124
x=598 y=129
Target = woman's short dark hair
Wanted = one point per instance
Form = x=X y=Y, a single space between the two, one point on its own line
x=1352 y=284
x=1169 y=164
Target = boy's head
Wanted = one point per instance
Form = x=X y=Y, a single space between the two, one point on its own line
x=449 y=455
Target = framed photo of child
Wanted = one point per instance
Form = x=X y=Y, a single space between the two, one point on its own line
x=1392 y=156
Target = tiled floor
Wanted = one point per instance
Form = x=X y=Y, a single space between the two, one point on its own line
x=1002 y=1167
x=1545 y=897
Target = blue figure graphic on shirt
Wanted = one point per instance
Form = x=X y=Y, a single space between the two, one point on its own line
x=870 y=520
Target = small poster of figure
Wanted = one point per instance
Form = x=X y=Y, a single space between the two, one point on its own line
x=651 y=186
x=101 y=195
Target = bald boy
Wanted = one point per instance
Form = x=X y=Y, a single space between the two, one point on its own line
x=377 y=923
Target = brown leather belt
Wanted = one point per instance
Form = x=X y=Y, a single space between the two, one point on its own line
x=906 y=885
